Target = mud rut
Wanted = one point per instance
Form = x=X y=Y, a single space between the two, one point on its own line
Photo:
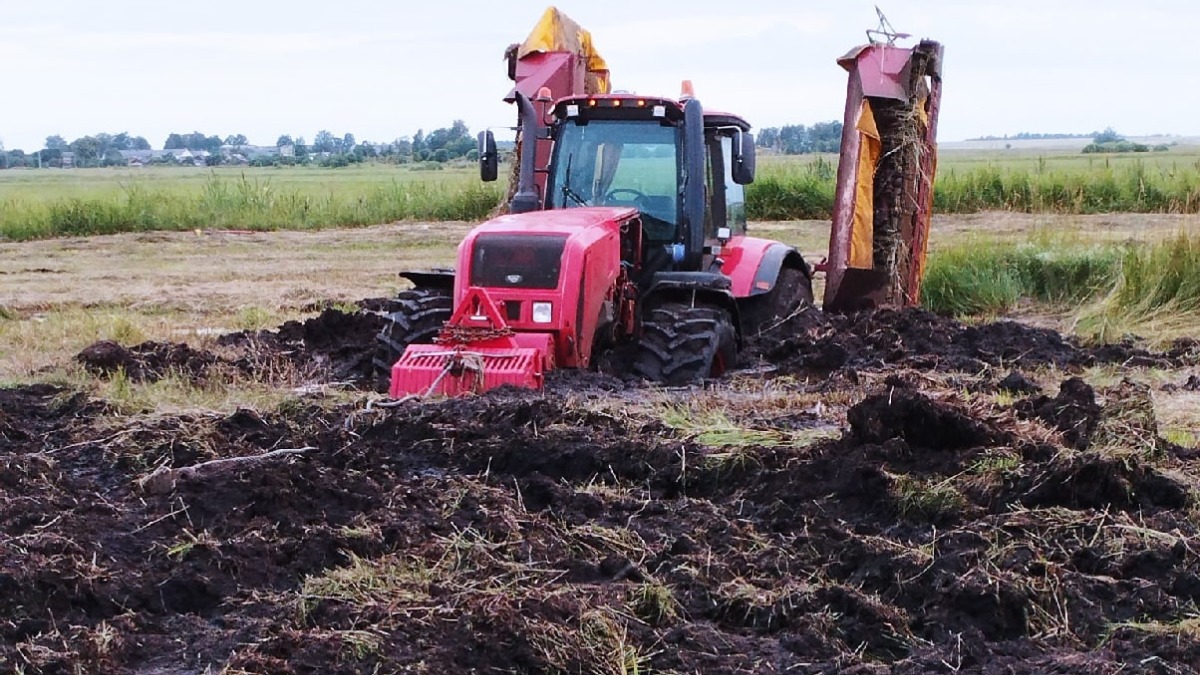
x=527 y=533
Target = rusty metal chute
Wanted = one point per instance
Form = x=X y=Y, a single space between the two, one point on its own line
x=559 y=52
x=884 y=197
x=558 y=56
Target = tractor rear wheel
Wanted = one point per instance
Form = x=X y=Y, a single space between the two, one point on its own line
x=792 y=294
x=416 y=316
x=682 y=344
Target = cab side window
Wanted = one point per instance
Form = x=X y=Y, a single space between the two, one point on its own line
x=714 y=215
x=727 y=199
x=735 y=195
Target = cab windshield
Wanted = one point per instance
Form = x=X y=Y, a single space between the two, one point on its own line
x=619 y=163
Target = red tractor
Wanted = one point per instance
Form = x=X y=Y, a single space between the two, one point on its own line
x=640 y=235
x=626 y=229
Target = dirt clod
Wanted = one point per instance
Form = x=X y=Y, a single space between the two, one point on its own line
x=146 y=362
x=1073 y=411
x=919 y=421
x=1016 y=383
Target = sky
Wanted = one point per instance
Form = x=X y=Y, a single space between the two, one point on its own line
x=382 y=70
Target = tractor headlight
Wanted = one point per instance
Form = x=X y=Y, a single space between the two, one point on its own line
x=542 y=312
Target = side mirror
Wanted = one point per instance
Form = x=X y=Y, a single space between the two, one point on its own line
x=489 y=161
x=742 y=162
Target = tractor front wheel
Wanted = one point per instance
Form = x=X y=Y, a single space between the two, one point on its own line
x=681 y=344
x=416 y=316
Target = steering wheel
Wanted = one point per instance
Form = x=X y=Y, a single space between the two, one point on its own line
x=613 y=195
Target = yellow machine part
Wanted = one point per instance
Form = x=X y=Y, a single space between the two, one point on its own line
x=862 y=225
x=557 y=32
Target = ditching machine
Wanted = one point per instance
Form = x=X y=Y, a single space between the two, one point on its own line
x=626 y=227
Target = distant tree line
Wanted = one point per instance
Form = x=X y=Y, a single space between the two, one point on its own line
x=329 y=149
x=445 y=144
x=797 y=139
x=95 y=150
x=197 y=141
x=1026 y=136
x=438 y=146
x=1110 y=141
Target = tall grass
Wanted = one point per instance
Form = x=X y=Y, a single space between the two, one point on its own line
x=1157 y=292
x=1110 y=289
x=244 y=203
x=1132 y=188
x=993 y=277
x=792 y=191
x=37 y=205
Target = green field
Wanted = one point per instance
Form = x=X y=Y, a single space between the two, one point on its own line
x=50 y=202
x=1025 y=181
x=48 y=185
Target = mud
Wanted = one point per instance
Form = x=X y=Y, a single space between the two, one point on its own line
x=562 y=532
x=334 y=346
x=914 y=338
x=337 y=346
x=146 y=362
x=539 y=534
x=339 y=343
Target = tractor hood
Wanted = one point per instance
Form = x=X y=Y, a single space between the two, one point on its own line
x=537 y=249
x=558 y=221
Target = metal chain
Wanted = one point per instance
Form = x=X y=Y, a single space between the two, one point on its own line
x=461 y=335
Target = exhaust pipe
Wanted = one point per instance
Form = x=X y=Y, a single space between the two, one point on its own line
x=693 y=196
x=526 y=197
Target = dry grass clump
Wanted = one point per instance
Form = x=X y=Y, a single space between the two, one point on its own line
x=919 y=500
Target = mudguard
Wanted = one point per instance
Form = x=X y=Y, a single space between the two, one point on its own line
x=710 y=288
x=442 y=278
x=774 y=259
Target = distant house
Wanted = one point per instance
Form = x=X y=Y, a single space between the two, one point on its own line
x=241 y=154
x=230 y=154
x=139 y=157
x=68 y=159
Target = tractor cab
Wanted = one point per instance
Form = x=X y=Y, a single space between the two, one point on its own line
x=684 y=170
x=624 y=150
x=620 y=151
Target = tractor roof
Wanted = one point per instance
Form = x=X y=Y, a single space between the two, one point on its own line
x=620 y=106
x=713 y=118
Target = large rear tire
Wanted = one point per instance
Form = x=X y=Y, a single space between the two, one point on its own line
x=792 y=294
x=416 y=316
x=682 y=344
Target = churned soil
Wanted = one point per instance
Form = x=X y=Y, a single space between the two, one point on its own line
x=524 y=533
x=336 y=345
x=916 y=338
x=339 y=346
x=568 y=531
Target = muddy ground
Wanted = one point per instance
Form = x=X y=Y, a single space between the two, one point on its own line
x=1049 y=530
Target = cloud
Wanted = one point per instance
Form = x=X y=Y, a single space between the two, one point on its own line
x=677 y=32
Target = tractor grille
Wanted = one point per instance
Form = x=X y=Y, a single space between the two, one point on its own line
x=517 y=260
